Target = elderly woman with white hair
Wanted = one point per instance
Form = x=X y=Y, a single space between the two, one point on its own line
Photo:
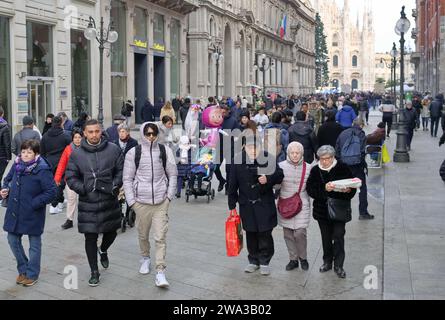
x=332 y=208
x=294 y=217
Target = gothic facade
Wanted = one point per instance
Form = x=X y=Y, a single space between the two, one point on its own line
x=351 y=45
x=247 y=34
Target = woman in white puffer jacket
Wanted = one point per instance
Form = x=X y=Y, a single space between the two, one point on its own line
x=295 y=229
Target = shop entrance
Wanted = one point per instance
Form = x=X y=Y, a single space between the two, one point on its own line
x=159 y=78
x=140 y=84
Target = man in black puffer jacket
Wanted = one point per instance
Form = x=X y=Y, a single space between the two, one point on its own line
x=95 y=173
x=52 y=146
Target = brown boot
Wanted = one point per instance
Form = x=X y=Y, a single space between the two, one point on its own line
x=20 y=278
x=29 y=282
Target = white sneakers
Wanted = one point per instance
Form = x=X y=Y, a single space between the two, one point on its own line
x=161 y=282
x=251 y=268
x=145 y=266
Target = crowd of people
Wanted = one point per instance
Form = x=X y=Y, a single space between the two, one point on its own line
x=312 y=141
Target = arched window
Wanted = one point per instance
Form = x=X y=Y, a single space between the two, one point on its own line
x=354 y=84
x=354 y=61
x=335 y=40
x=335 y=61
x=212 y=28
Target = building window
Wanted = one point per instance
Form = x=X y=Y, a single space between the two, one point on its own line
x=335 y=40
x=354 y=61
x=5 y=63
x=39 y=50
x=118 y=57
x=354 y=84
x=158 y=29
x=139 y=24
x=175 y=57
x=80 y=74
x=335 y=61
x=118 y=49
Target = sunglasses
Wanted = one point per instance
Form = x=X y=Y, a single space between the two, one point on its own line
x=151 y=134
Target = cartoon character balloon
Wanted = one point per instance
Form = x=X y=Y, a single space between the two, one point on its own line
x=212 y=118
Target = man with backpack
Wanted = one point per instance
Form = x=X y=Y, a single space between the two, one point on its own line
x=351 y=150
x=150 y=178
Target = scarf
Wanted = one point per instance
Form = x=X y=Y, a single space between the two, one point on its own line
x=300 y=148
x=330 y=168
x=25 y=168
x=74 y=147
x=2 y=120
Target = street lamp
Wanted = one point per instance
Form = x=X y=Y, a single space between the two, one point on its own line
x=217 y=56
x=401 y=153
x=263 y=67
x=102 y=36
x=394 y=54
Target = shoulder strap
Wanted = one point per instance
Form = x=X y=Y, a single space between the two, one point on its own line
x=302 y=177
x=137 y=156
x=163 y=155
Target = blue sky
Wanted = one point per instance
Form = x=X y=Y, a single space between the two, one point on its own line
x=386 y=14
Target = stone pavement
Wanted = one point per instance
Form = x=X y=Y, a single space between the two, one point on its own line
x=199 y=269
x=414 y=251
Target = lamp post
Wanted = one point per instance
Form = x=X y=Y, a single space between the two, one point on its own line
x=401 y=153
x=102 y=36
x=394 y=54
x=217 y=56
x=263 y=67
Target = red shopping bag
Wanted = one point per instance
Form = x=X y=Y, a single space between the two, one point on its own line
x=234 y=234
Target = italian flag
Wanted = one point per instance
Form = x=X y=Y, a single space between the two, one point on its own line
x=283 y=26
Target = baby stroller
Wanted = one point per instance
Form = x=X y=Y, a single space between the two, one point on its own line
x=129 y=217
x=200 y=177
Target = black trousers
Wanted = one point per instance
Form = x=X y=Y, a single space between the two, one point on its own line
x=434 y=126
x=260 y=246
x=91 y=246
x=3 y=165
x=359 y=172
x=387 y=120
x=333 y=239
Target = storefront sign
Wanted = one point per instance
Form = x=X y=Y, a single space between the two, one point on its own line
x=22 y=94
x=159 y=47
x=140 y=45
x=22 y=107
x=63 y=93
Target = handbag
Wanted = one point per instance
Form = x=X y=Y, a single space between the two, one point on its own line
x=339 y=210
x=290 y=207
x=234 y=234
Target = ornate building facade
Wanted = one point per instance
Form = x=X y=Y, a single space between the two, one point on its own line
x=351 y=45
x=246 y=31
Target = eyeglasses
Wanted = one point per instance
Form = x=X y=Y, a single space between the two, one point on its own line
x=151 y=134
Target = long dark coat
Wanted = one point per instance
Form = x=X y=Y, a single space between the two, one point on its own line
x=99 y=212
x=28 y=196
x=316 y=188
x=256 y=202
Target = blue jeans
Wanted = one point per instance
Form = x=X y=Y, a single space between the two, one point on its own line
x=31 y=266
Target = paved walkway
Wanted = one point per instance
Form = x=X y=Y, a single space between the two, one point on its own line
x=408 y=253
x=414 y=252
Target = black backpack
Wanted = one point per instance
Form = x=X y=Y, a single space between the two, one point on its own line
x=138 y=154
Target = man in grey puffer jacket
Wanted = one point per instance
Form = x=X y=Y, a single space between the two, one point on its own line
x=149 y=190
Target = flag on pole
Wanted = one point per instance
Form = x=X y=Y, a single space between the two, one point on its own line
x=283 y=27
